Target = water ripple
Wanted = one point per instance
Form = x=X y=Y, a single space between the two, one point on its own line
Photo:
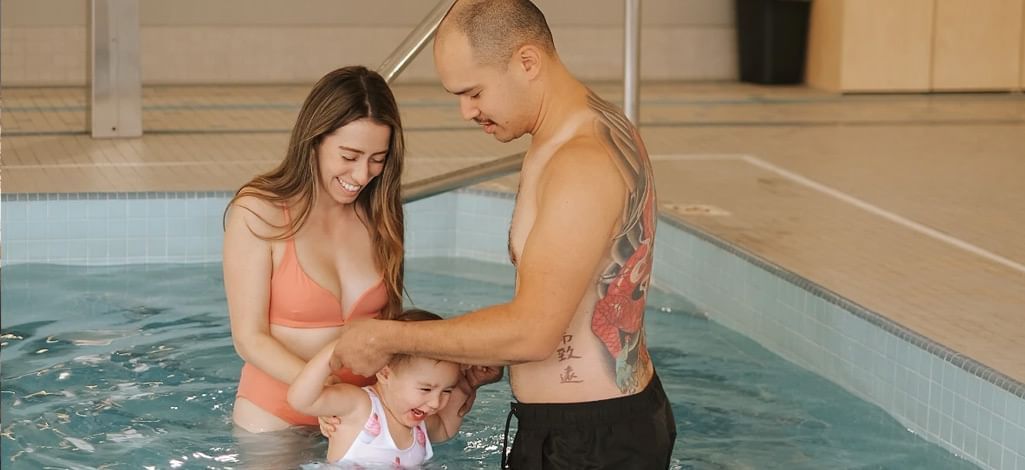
x=135 y=365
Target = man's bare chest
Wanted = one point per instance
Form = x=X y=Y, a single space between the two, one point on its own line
x=524 y=215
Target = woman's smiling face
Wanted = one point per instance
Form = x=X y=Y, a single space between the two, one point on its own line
x=351 y=157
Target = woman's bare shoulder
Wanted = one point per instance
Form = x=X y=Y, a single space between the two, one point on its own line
x=262 y=216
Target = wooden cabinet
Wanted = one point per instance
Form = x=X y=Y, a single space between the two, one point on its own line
x=825 y=39
x=916 y=45
x=870 y=45
x=977 y=45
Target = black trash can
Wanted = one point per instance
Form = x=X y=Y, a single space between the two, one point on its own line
x=772 y=40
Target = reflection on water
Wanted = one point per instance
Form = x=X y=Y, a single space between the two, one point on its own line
x=134 y=365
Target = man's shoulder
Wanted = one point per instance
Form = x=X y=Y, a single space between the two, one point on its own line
x=582 y=144
x=584 y=163
x=582 y=153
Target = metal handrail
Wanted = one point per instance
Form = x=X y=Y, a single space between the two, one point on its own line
x=462 y=177
x=410 y=47
x=632 y=60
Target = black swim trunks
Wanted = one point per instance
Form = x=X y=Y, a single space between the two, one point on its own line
x=633 y=432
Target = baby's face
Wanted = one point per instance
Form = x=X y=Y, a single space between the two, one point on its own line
x=420 y=387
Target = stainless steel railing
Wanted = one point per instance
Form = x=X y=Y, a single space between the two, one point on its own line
x=410 y=47
x=461 y=178
x=632 y=60
x=422 y=34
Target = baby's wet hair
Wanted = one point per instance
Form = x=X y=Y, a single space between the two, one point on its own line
x=412 y=314
x=415 y=314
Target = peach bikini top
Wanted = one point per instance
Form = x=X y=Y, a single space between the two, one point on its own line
x=297 y=301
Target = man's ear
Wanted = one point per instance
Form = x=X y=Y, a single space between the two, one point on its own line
x=529 y=60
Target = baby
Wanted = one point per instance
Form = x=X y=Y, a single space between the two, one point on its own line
x=415 y=401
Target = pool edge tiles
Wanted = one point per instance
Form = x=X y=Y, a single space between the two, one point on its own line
x=947 y=398
x=186 y=227
x=468 y=223
x=112 y=228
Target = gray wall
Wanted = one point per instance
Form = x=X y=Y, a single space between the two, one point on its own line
x=44 y=42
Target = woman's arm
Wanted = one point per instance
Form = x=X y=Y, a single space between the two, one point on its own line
x=309 y=395
x=247 y=271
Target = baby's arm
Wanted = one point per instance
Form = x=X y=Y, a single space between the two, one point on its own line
x=443 y=425
x=308 y=395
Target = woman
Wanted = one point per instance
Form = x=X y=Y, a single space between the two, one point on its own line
x=315 y=243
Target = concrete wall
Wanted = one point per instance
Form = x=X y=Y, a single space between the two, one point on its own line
x=45 y=42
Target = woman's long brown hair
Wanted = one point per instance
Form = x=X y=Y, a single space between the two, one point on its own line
x=339 y=98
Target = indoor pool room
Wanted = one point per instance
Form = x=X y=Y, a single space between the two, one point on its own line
x=837 y=267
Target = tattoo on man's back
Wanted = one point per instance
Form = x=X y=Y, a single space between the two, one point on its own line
x=618 y=319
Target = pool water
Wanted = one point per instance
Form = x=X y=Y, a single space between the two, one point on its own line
x=133 y=367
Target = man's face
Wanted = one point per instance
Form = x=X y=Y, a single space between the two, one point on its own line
x=494 y=98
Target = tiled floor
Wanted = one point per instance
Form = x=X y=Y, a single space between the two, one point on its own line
x=911 y=205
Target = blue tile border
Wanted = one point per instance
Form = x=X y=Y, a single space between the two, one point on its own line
x=173 y=227
x=964 y=362
x=112 y=228
x=10 y=197
x=467 y=223
x=947 y=398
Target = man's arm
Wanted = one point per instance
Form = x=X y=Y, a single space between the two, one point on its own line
x=580 y=202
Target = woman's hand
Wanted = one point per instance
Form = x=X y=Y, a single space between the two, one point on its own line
x=328 y=425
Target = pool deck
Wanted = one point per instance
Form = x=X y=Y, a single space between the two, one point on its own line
x=909 y=205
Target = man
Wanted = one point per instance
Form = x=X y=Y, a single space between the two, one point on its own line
x=581 y=239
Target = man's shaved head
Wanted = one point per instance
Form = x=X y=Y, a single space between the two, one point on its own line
x=497 y=28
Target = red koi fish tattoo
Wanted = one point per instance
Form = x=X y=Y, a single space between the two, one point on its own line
x=618 y=319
